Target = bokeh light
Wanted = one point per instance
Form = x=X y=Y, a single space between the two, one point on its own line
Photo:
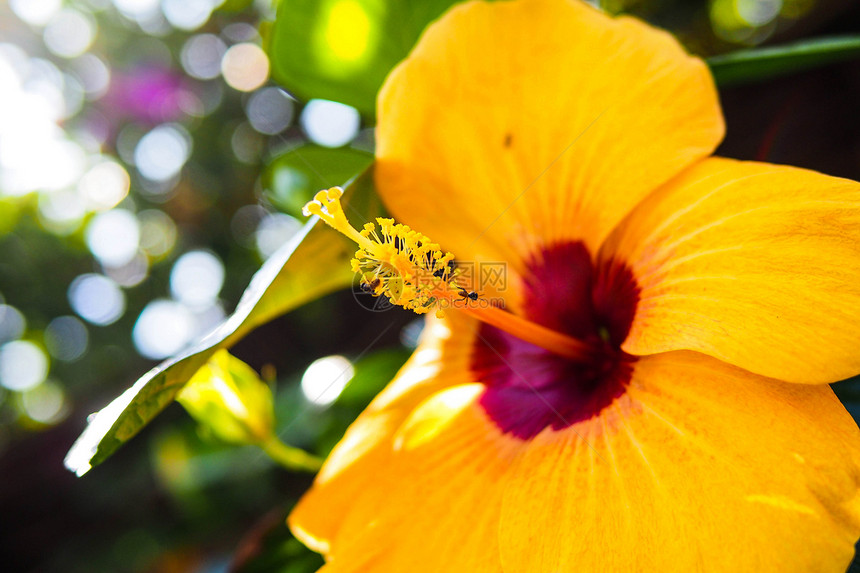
x=12 y=323
x=126 y=141
x=61 y=212
x=69 y=33
x=245 y=67
x=66 y=338
x=196 y=279
x=94 y=75
x=329 y=123
x=131 y=273
x=139 y=10
x=247 y=143
x=158 y=232
x=162 y=329
x=245 y=222
x=32 y=101
x=35 y=12
x=105 y=184
x=161 y=153
x=113 y=237
x=207 y=319
x=745 y=21
x=411 y=333
x=45 y=403
x=97 y=299
x=187 y=14
x=201 y=56
x=73 y=100
x=269 y=110
x=758 y=12
x=325 y=379
x=23 y=365
x=274 y=230
x=239 y=32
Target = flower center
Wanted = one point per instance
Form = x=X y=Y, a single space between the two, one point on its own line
x=529 y=388
x=559 y=364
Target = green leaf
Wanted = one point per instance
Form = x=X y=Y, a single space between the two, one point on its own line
x=747 y=66
x=341 y=50
x=312 y=264
x=292 y=178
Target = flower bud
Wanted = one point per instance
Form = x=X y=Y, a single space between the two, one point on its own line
x=227 y=397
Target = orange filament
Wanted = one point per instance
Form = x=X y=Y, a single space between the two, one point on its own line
x=532 y=332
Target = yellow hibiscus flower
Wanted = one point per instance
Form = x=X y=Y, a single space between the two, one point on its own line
x=707 y=302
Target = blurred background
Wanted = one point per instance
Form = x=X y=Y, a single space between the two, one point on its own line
x=152 y=154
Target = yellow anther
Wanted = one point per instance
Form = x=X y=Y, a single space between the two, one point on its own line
x=394 y=260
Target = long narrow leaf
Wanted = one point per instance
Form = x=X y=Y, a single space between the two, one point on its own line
x=758 y=64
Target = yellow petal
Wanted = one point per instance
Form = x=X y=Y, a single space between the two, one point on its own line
x=352 y=470
x=751 y=263
x=701 y=466
x=518 y=124
x=437 y=499
x=698 y=465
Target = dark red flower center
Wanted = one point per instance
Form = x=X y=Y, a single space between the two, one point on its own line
x=529 y=388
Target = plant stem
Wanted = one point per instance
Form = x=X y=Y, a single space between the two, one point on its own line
x=289 y=457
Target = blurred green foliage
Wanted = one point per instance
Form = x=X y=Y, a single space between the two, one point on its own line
x=292 y=178
x=177 y=498
x=342 y=50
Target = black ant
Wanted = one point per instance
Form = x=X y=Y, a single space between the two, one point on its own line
x=472 y=295
x=371 y=286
